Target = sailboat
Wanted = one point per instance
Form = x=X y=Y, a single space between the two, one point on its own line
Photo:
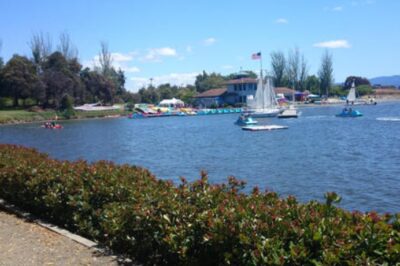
x=351 y=100
x=264 y=103
x=351 y=97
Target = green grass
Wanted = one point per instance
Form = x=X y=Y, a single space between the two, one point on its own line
x=20 y=116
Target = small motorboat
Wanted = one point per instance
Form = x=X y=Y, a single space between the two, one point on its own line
x=264 y=127
x=291 y=112
x=348 y=112
x=245 y=120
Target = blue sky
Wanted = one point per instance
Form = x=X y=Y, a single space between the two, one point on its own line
x=173 y=41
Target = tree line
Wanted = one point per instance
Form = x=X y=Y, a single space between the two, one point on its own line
x=48 y=76
x=52 y=77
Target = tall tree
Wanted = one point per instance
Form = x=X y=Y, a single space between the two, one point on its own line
x=105 y=59
x=1 y=58
x=206 y=81
x=293 y=68
x=98 y=87
x=1 y=74
x=66 y=47
x=325 y=73
x=313 y=85
x=41 y=47
x=303 y=74
x=59 y=79
x=278 y=64
x=19 y=78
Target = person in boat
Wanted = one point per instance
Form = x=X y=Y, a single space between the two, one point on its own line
x=350 y=111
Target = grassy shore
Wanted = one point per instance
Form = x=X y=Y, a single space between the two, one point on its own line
x=25 y=116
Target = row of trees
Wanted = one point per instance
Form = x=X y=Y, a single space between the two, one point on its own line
x=292 y=72
x=49 y=76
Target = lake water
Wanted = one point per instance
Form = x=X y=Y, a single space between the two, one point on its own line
x=359 y=158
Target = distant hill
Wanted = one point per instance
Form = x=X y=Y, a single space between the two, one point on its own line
x=386 y=81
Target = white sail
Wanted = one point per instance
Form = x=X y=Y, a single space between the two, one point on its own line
x=351 y=97
x=264 y=102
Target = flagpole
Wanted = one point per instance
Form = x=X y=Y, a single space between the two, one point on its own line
x=262 y=81
x=261 y=65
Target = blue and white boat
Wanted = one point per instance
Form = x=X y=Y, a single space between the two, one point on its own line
x=348 y=112
x=245 y=120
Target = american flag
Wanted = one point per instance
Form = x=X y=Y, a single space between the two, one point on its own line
x=256 y=56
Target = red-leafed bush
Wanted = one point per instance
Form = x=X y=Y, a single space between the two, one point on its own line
x=198 y=223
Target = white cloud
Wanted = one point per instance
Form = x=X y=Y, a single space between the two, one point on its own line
x=119 y=61
x=172 y=78
x=337 y=8
x=281 y=21
x=209 y=41
x=130 y=69
x=118 y=57
x=155 y=54
x=333 y=44
x=189 y=49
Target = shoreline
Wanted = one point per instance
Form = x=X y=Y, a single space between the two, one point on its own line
x=125 y=113
x=78 y=118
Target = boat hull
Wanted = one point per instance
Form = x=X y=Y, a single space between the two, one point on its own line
x=289 y=113
x=264 y=113
x=264 y=128
x=351 y=114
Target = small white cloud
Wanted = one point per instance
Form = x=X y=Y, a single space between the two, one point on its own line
x=119 y=57
x=119 y=61
x=155 y=54
x=209 y=41
x=189 y=49
x=130 y=69
x=178 y=79
x=333 y=44
x=281 y=21
x=337 y=8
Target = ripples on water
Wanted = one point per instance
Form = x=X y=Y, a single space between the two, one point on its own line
x=356 y=157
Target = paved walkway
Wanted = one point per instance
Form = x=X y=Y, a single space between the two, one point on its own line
x=25 y=243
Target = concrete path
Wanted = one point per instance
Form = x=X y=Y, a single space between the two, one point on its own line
x=26 y=243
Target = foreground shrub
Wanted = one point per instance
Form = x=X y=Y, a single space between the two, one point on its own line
x=156 y=222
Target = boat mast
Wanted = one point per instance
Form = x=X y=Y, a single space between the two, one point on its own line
x=262 y=82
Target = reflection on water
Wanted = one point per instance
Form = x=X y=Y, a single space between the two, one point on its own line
x=356 y=157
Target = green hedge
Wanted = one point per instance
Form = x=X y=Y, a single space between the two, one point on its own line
x=157 y=222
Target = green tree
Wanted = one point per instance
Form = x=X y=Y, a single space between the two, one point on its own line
x=66 y=47
x=325 y=73
x=1 y=58
x=41 y=48
x=19 y=78
x=1 y=75
x=58 y=78
x=357 y=82
x=337 y=90
x=313 y=85
x=303 y=74
x=98 y=88
x=67 y=103
x=206 y=81
x=278 y=64
x=364 y=90
x=293 y=67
